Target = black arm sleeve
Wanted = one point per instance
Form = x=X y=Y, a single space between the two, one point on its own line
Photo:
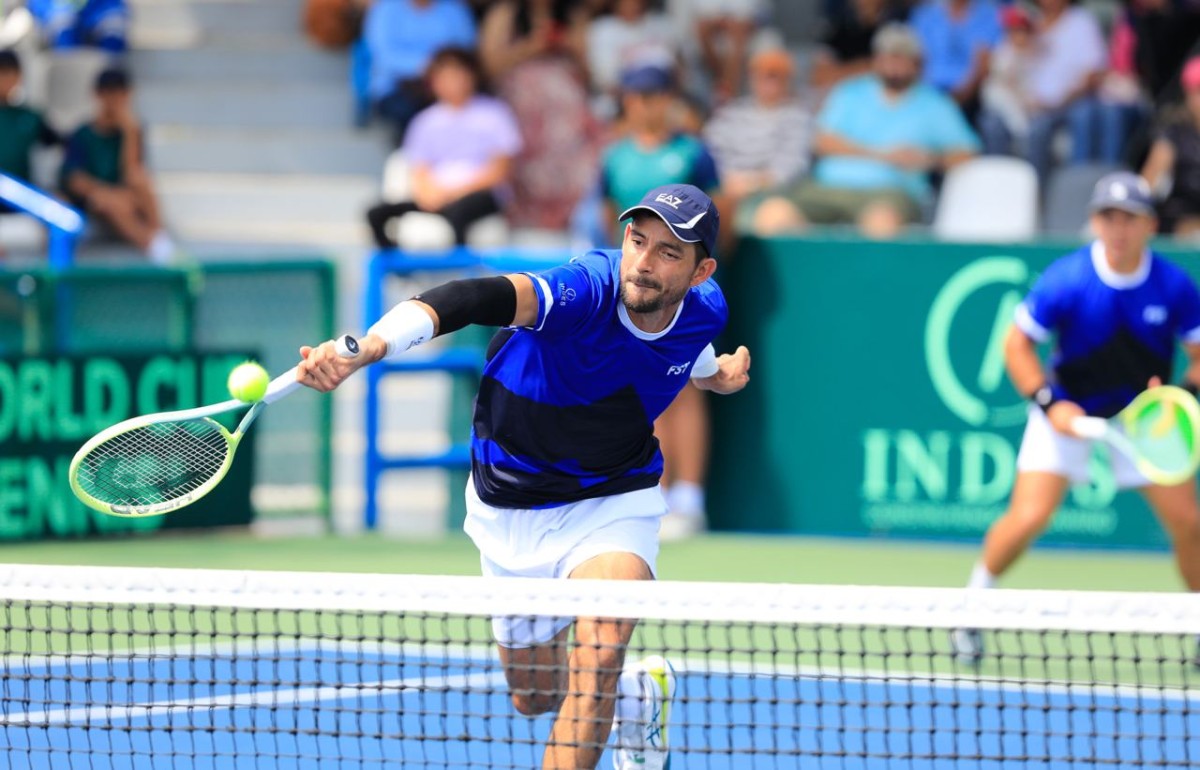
x=480 y=301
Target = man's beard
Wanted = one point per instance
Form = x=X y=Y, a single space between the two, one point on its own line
x=651 y=304
x=897 y=84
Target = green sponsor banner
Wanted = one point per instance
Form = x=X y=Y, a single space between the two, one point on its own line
x=50 y=406
x=879 y=402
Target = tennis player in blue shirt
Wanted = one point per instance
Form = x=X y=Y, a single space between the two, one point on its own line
x=1116 y=311
x=564 y=463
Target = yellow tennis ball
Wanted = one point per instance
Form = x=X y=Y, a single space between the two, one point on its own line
x=248 y=382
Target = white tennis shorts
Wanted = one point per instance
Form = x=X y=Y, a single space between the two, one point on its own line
x=552 y=542
x=1045 y=449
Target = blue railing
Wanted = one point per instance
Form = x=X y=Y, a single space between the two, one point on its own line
x=455 y=360
x=64 y=223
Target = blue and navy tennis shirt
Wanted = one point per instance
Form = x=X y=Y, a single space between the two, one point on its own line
x=566 y=409
x=1113 y=331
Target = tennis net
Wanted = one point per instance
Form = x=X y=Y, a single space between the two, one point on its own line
x=137 y=668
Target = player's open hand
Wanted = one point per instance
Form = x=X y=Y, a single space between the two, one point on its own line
x=323 y=369
x=733 y=372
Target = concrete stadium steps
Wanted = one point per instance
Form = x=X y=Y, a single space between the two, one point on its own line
x=192 y=66
x=254 y=153
x=282 y=104
x=300 y=209
x=248 y=150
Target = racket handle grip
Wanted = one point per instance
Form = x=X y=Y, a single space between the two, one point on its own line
x=1089 y=427
x=285 y=384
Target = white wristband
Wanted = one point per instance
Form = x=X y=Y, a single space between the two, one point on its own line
x=403 y=327
x=706 y=363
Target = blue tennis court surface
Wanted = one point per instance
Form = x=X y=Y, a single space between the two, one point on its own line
x=348 y=705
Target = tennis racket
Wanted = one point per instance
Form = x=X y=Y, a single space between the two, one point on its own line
x=156 y=463
x=1159 y=431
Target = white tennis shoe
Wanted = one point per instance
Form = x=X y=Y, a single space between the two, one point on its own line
x=968 y=645
x=642 y=744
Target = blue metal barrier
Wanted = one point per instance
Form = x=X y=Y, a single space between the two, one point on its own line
x=64 y=223
x=456 y=361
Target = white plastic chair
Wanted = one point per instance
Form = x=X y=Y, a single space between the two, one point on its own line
x=990 y=198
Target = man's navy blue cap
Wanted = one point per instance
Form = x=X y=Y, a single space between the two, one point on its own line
x=646 y=79
x=691 y=215
x=9 y=60
x=1123 y=190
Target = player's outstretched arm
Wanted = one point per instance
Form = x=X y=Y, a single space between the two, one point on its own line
x=509 y=300
x=733 y=372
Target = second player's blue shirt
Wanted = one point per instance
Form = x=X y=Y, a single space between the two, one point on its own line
x=1113 y=332
x=566 y=409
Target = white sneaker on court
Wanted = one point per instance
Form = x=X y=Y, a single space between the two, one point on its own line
x=643 y=713
x=968 y=645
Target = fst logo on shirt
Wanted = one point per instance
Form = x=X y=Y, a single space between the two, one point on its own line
x=669 y=199
x=680 y=369
x=565 y=294
x=1155 y=315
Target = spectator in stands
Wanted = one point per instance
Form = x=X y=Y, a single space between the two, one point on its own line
x=957 y=37
x=534 y=52
x=401 y=37
x=100 y=24
x=1164 y=31
x=104 y=172
x=626 y=35
x=460 y=149
x=761 y=141
x=21 y=127
x=1122 y=103
x=1006 y=95
x=879 y=137
x=1176 y=154
x=724 y=29
x=653 y=153
x=846 y=47
x=1063 y=79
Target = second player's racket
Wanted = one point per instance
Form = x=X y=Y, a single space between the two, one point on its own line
x=1159 y=431
x=158 y=463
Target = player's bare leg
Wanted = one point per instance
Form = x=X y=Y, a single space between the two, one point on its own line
x=582 y=687
x=1035 y=497
x=537 y=676
x=585 y=718
x=1178 y=510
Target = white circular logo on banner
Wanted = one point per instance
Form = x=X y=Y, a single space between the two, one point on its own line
x=970 y=389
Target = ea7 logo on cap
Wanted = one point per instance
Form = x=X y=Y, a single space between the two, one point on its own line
x=669 y=199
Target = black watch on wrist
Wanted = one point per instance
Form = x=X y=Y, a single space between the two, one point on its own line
x=1043 y=397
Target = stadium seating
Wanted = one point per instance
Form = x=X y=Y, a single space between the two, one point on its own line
x=990 y=198
x=1067 y=192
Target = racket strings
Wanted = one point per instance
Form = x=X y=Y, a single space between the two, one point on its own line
x=154 y=463
x=1162 y=437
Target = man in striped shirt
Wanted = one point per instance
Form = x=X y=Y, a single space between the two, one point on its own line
x=762 y=141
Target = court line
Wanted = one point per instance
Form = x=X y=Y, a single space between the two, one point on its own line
x=92 y=715
x=694 y=666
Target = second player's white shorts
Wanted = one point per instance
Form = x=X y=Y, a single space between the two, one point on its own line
x=552 y=542
x=1045 y=449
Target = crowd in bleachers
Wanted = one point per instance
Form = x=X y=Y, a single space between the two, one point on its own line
x=611 y=96
x=67 y=119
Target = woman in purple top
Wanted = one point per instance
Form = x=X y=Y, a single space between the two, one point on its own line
x=460 y=150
